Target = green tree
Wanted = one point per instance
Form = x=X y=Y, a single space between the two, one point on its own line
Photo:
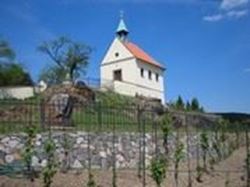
x=52 y=74
x=195 y=106
x=12 y=74
x=5 y=50
x=68 y=57
x=188 y=106
x=179 y=103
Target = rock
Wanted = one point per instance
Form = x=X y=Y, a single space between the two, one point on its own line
x=38 y=137
x=91 y=147
x=5 y=140
x=77 y=165
x=61 y=157
x=35 y=161
x=2 y=155
x=1 y=147
x=148 y=136
x=81 y=133
x=38 y=143
x=9 y=158
x=79 y=140
x=84 y=146
x=44 y=163
x=60 y=102
x=104 y=163
x=13 y=143
x=17 y=156
x=119 y=158
x=59 y=108
x=119 y=147
x=147 y=162
x=103 y=154
x=55 y=140
x=8 y=150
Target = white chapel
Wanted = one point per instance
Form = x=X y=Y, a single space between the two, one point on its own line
x=130 y=70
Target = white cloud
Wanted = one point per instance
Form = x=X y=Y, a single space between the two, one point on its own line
x=231 y=14
x=213 y=18
x=237 y=13
x=229 y=9
x=230 y=4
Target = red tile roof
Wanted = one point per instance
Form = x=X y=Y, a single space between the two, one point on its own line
x=142 y=55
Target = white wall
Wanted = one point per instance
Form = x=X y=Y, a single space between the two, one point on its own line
x=128 y=68
x=125 y=61
x=157 y=88
x=116 y=47
x=131 y=90
x=21 y=92
x=132 y=82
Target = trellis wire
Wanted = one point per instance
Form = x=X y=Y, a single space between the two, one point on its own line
x=136 y=118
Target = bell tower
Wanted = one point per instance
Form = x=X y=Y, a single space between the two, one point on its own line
x=122 y=31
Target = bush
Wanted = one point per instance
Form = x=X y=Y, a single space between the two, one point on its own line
x=12 y=74
x=158 y=169
x=51 y=168
x=29 y=152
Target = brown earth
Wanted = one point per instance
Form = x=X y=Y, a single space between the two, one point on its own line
x=228 y=173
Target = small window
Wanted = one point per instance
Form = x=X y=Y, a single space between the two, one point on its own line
x=117 y=75
x=157 y=77
x=116 y=54
x=142 y=72
x=149 y=75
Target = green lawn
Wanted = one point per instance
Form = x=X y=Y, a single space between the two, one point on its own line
x=96 y=119
x=92 y=118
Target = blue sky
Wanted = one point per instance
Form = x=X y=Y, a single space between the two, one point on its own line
x=204 y=44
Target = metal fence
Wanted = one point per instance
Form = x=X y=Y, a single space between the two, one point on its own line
x=114 y=146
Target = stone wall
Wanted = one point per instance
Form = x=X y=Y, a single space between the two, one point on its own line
x=100 y=148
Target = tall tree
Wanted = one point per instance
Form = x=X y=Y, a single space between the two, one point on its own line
x=12 y=74
x=188 y=106
x=68 y=57
x=195 y=106
x=5 y=50
x=180 y=104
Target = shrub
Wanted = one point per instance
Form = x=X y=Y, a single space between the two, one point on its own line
x=29 y=152
x=178 y=156
x=91 y=182
x=167 y=130
x=204 y=146
x=66 y=144
x=51 y=168
x=158 y=169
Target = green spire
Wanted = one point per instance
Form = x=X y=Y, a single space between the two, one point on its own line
x=122 y=26
x=122 y=30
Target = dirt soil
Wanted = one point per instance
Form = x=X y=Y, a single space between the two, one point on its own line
x=128 y=178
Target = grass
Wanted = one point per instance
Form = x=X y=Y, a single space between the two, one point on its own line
x=92 y=118
x=108 y=119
